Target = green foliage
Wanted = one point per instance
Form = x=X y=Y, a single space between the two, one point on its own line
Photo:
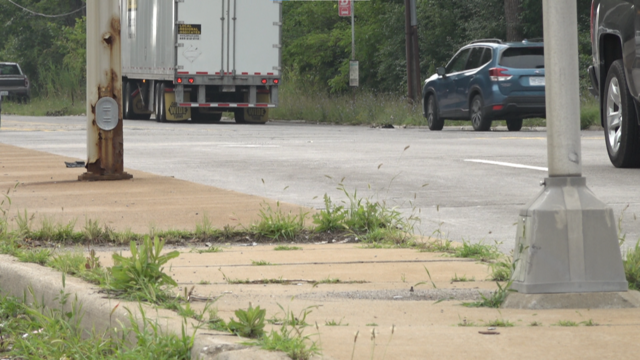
x=479 y=251
x=277 y=225
x=500 y=323
x=286 y=248
x=38 y=256
x=141 y=276
x=502 y=269
x=631 y=261
x=495 y=300
x=331 y=218
x=250 y=323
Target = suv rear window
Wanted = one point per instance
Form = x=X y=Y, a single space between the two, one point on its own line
x=523 y=58
x=6 y=69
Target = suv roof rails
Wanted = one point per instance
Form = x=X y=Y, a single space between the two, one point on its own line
x=497 y=41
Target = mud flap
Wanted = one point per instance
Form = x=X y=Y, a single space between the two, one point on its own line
x=175 y=112
x=258 y=115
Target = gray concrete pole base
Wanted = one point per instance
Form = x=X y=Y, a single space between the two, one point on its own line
x=567 y=242
x=592 y=300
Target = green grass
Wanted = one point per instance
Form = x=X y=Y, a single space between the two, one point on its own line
x=365 y=107
x=54 y=334
x=494 y=300
x=631 y=261
x=277 y=225
x=332 y=322
x=500 y=323
x=462 y=278
x=286 y=248
x=566 y=323
x=41 y=106
x=260 y=263
x=478 y=251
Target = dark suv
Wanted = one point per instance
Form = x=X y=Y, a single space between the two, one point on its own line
x=488 y=80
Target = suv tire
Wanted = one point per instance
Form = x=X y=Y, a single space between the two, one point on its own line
x=433 y=120
x=479 y=120
x=514 y=124
x=620 y=120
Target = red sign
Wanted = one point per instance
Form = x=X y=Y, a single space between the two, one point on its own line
x=344 y=7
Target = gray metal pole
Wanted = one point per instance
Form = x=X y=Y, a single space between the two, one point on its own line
x=566 y=240
x=562 y=84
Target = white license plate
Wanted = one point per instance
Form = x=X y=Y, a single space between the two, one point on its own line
x=536 y=81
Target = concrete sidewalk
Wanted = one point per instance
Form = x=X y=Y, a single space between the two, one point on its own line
x=373 y=293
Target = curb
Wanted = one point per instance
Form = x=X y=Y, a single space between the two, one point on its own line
x=27 y=280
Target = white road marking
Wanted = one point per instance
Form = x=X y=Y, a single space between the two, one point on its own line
x=500 y=163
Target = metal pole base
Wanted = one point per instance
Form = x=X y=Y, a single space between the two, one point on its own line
x=567 y=242
x=105 y=177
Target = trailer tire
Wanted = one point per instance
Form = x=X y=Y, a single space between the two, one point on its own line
x=127 y=103
x=161 y=115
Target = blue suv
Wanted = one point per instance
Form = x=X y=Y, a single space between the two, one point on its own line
x=488 y=80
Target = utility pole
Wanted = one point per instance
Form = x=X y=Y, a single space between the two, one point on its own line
x=411 y=94
x=566 y=240
x=104 y=93
x=412 y=50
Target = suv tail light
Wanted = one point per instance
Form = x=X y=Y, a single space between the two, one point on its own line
x=498 y=74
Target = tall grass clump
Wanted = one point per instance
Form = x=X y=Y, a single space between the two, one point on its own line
x=278 y=225
x=141 y=277
x=631 y=261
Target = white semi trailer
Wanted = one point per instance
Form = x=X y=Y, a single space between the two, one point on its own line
x=195 y=59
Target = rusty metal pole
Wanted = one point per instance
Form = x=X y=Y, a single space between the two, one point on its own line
x=104 y=91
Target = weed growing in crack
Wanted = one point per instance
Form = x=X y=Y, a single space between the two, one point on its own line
x=332 y=322
x=462 y=278
x=495 y=300
x=277 y=225
x=141 y=276
x=631 y=262
x=250 y=323
x=260 y=263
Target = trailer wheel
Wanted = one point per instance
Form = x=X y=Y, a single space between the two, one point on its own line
x=127 y=103
x=161 y=115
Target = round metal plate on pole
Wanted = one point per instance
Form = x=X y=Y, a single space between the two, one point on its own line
x=566 y=240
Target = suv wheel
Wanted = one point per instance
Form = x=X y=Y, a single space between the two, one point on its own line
x=514 y=124
x=620 y=120
x=433 y=120
x=479 y=120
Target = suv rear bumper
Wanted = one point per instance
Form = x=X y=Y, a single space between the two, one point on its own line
x=518 y=107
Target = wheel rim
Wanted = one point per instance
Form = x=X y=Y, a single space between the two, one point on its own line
x=430 y=111
x=476 y=113
x=614 y=116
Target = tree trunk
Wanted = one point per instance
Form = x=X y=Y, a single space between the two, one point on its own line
x=512 y=12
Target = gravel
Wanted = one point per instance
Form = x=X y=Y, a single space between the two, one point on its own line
x=401 y=295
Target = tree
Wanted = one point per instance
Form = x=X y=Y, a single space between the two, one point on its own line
x=513 y=14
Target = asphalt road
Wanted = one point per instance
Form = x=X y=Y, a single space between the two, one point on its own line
x=454 y=180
